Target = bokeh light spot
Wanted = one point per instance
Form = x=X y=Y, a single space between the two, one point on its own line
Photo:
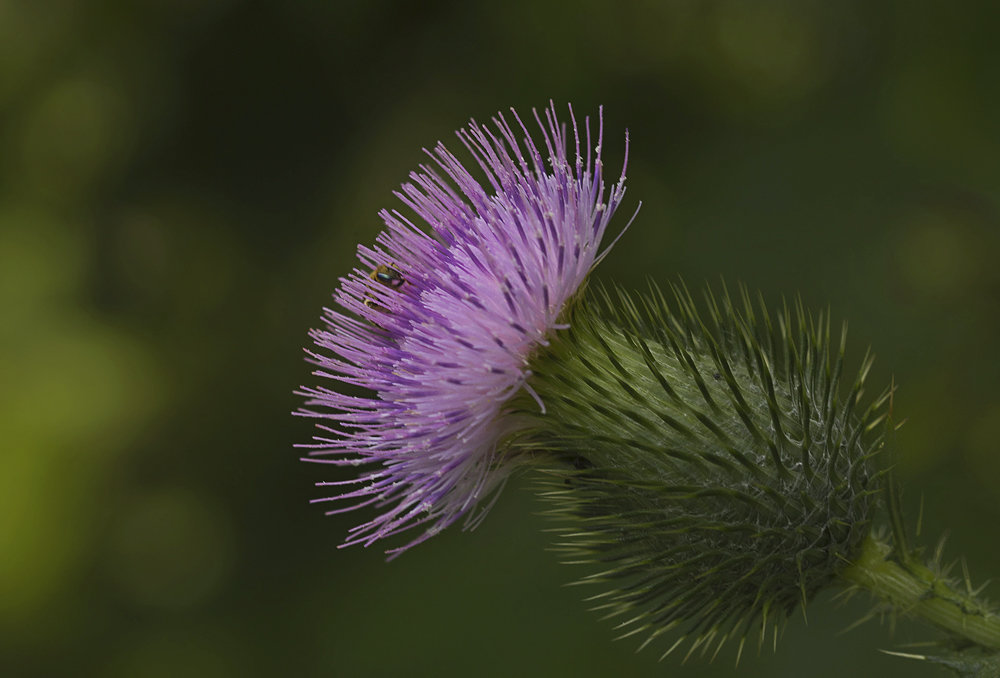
x=984 y=447
x=170 y=549
x=72 y=135
x=936 y=255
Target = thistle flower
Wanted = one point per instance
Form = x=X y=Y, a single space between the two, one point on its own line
x=440 y=321
x=710 y=468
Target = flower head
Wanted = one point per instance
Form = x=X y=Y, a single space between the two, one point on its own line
x=440 y=322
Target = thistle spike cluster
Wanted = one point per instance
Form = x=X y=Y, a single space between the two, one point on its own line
x=709 y=470
x=437 y=326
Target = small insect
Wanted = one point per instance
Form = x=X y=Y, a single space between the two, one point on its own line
x=384 y=275
x=388 y=276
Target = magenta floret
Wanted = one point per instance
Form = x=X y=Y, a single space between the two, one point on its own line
x=443 y=339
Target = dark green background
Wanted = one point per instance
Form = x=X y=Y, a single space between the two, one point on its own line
x=183 y=181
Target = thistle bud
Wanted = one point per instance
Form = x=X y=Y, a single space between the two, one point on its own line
x=708 y=466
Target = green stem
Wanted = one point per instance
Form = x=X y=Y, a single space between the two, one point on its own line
x=914 y=589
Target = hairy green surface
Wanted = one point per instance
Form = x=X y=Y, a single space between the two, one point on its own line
x=706 y=466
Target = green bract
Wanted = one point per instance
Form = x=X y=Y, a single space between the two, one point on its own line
x=708 y=467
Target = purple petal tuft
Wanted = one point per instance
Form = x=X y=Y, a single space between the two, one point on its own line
x=443 y=351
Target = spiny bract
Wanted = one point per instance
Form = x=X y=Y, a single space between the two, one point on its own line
x=708 y=466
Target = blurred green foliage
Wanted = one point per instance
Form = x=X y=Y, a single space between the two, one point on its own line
x=182 y=183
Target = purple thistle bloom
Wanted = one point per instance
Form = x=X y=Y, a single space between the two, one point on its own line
x=441 y=326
